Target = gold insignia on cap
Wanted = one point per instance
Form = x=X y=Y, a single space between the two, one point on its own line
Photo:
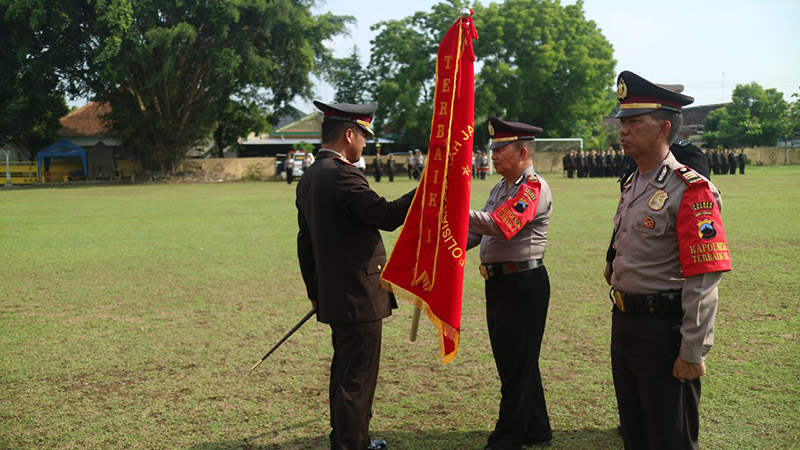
x=491 y=129
x=658 y=200
x=622 y=90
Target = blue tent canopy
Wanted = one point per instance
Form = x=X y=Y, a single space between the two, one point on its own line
x=61 y=149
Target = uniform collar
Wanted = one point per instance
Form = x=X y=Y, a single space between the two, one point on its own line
x=328 y=153
x=522 y=176
x=661 y=176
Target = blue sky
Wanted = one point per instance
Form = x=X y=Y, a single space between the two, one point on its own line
x=707 y=45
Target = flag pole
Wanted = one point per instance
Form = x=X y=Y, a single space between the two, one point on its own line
x=465 y=13
x=414 y=325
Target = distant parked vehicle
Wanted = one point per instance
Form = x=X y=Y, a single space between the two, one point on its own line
x=298 y=158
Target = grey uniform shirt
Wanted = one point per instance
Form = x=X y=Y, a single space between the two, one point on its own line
x=528 y=243
x=647 y=259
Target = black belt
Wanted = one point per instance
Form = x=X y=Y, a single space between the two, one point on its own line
x=664 y=303
x=507 y=268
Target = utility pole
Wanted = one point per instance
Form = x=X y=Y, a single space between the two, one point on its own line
x=8 y=168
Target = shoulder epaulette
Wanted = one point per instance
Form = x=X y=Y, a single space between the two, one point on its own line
x=682 y=142
x=688 y=175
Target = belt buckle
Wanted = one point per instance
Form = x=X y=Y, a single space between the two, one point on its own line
x=484 y=272
x=619 y=300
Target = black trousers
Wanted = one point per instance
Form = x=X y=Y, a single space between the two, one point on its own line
x=656 y=410
x=516 y=312
x=354 y=375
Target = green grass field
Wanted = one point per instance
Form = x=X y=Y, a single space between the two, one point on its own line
x=130 y=316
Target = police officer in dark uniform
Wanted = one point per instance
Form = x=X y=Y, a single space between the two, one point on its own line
x=341 y=256
x=742 y=158
x=590 y=164
x=512 y=232
x=732 y=161
x=599 y=169
x=573 y=163
x=377 y=166
x=670 y=254
x=390 y=167
x=715 y=161
x=565 y=161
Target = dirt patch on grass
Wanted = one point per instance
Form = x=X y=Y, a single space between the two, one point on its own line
x=117 y=383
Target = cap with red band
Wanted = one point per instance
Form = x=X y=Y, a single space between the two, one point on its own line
x=638 y=96
x=503 y=133
x=348 y=112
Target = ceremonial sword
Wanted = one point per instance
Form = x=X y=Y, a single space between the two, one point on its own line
x=291 y=332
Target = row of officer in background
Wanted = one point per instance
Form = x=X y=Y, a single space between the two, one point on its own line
x=594 y=164
x=480 y=165
x=723 y=162
x=378 y=167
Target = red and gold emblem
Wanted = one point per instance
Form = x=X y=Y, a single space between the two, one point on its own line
x=648 y=223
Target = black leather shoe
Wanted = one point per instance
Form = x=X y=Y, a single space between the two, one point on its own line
x=378 y=444
x=544 y=443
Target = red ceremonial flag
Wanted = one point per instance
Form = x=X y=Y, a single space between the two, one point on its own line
x=426 y=266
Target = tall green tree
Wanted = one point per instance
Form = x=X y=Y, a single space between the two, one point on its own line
x=37 y=45
x=349 y=78
x=171 y=68
x=546 y=64
x=403 y=62
x=792 y=125
x=754 y=117
x=238 y=120
x=540 y=62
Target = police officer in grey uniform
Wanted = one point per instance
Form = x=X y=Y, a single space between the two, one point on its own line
x=512 y=231
x=670 y=254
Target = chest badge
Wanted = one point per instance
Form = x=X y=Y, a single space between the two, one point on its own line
x=658 y=200
x=648 y=223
